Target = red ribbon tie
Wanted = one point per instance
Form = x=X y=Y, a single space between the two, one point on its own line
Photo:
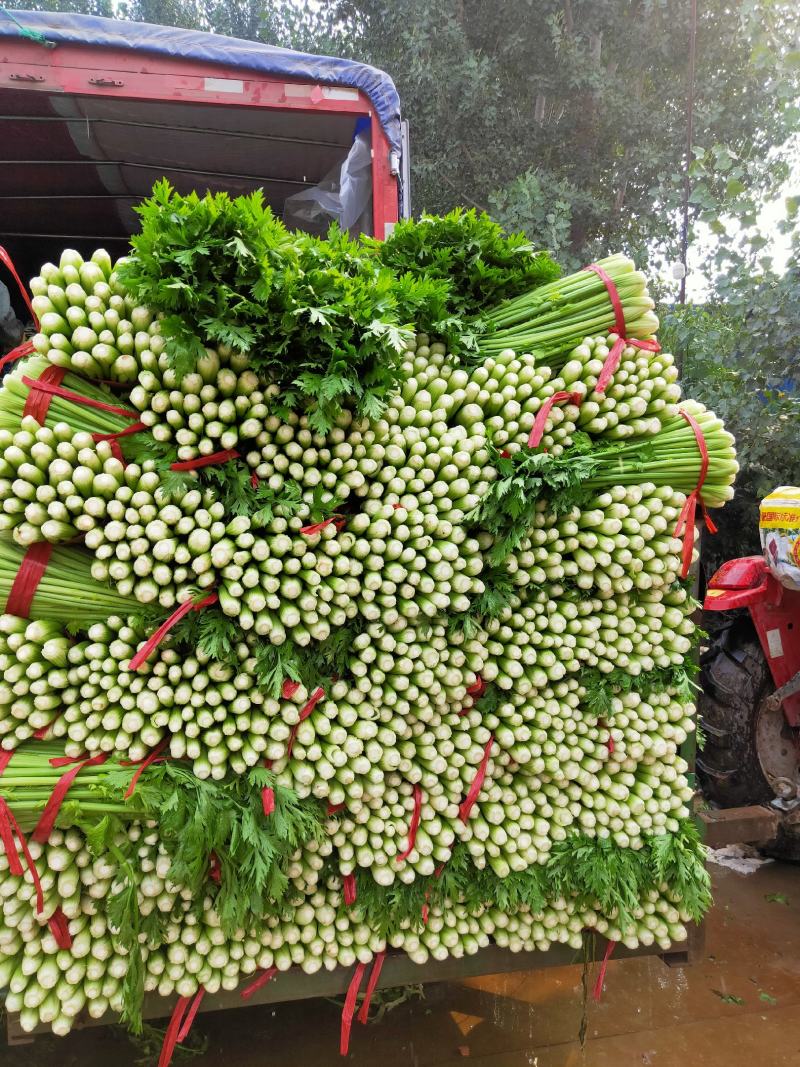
x=466 y=807
x=156 y=638
x=259 y=983
x=349 y=1008
x=539 y=423
x=597 y=992
x=414 y=826
x=686 y=519
x=363 y=1014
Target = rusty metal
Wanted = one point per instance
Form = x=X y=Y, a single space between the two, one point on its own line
x=754 y=824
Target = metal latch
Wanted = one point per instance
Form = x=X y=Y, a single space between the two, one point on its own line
x=26 y=77
x=105 y=83
x=773 y=702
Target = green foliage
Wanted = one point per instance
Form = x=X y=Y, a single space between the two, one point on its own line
x=311 y=666
x=602 y=687
x=130 y=929
x=209 y=263
x=323 y=319
x=198 y=818
x=498 y=593
x=209 y=631
x=233 y=484
x=739 y=357
x=583 y=149
x=594 y=871
x=509 y=508
x=471 y=253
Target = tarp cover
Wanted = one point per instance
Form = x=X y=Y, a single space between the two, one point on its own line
x=230 y=52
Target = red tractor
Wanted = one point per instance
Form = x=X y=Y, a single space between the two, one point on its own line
x=749 y=709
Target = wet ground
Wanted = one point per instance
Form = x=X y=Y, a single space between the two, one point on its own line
x=739 y=1006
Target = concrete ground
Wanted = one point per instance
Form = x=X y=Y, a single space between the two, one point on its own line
x=738 y=1007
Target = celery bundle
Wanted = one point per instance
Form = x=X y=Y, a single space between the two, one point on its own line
x=554 y=318
x=435 y=689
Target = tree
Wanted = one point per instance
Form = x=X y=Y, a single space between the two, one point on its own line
x=567 y=117
x=740 y=357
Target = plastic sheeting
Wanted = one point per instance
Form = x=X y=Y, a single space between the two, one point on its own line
x=229 y=52
x=343 y=196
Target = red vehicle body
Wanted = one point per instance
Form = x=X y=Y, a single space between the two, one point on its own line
x=749 y=708
x=775 y=611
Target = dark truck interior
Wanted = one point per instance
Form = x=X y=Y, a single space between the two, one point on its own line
x=75 y=166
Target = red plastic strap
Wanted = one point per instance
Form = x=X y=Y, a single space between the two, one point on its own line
x=268 y=799
x=289 y=689
x=332 y=809
x=20 y=352
x=143 y=765
x=612 y=359
x=613 y=296
x=398 y=507
x=214 y=868
x=350 y=889
x=5 y=758
x=30 y=573
x=43 y=386
x=259 y=983
x=478 y=688
x=309 y=531
x=305 y=711
x=505 y=454
x=37 y=402
x=597 y=992
x=349 y=1008
x=363 y=1014
x=183 y=1033
x=466 y=807
x=9 y=829
x=254 y=480
x=43 y=731
x=609 y=368
x=205 y=461
x=6 y=259
x=539 y=423
x=152 y=643
x=171 y=1036
x=412 y=830
x=686 y=520
x=51 y=809
x=610 y=745
x=113 y=438
x=59 y=928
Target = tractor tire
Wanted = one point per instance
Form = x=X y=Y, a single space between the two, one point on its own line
x=734 y=678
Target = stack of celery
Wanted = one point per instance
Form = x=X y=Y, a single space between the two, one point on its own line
x=376 y=644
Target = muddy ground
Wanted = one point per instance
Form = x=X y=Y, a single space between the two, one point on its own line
x=738 y=1007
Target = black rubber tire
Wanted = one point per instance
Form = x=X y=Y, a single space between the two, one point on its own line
x=735 y=678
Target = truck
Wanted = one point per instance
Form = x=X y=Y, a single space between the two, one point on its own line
x=94 y=111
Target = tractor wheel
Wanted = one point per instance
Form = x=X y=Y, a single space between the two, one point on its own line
x=734 y=678
x=750 y=755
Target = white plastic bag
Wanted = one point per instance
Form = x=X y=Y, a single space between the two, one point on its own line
x=779 y=526
x=344 y=195
x=10 y=326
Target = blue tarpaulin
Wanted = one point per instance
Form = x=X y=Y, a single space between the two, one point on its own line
x=230 y=52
